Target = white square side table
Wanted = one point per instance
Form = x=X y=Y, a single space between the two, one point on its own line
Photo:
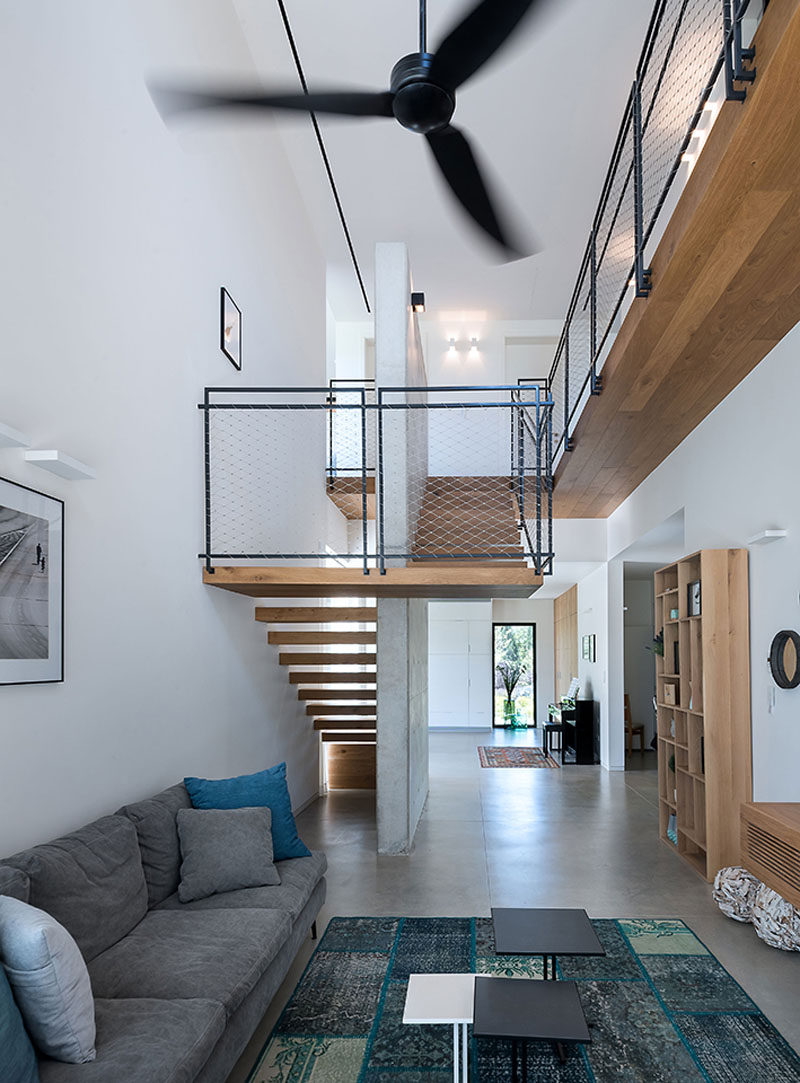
x=445 y=999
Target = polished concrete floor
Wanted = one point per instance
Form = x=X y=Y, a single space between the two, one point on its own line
x=577 y=836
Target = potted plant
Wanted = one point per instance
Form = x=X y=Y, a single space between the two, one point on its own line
x=511 y=673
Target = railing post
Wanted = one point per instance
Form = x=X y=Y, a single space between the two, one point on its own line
x=742 y=74
x=207 y=452
x=550 y=486
x=331 y=400
x=381 y=546
x=568 y=444
x=642 y=275
x=596 y=381
x=538 y=559
x=729 y=48
x=364 y=542
x=521 y=467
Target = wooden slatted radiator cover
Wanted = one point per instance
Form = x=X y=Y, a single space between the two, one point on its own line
x=771 y=846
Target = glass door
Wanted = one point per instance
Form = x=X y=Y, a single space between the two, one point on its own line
x=514 y=669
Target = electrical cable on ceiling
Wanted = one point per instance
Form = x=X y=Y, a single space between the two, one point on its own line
x=324 y=154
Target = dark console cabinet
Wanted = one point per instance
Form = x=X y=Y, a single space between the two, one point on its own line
x=581 y=732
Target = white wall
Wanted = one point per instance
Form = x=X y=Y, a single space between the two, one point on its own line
x=117 y=234
x=735 y=476
x=600 y=613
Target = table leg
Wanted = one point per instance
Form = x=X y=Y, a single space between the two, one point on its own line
x=524 y=1062
x=464 y=1055
x=456 y=1072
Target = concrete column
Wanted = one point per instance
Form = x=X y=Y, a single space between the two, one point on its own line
x=402 y=753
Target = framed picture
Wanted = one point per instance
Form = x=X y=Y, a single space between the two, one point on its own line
x=694 y=598
x=230 y=328
x=588 y=648
x=31 y=586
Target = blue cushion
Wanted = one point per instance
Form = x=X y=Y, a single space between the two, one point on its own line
x=265 y=788
x=17 y=1058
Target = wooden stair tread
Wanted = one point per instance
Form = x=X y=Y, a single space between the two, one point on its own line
x=420 y=581
x=321 y=639
x=345 y=724
x=331 y=659
x=320 y=709
x=365 y=738
x=319 y=695
x=307 y=614
x=353 y=676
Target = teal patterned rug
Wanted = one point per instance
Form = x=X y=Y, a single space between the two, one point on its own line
x=661 y=1008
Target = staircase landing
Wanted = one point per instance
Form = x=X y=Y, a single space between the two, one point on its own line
x=418 y=581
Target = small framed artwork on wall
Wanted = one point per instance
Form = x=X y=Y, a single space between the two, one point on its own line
x=588 y=648
x=230 y=328
x=694 y=599
x=31 y=586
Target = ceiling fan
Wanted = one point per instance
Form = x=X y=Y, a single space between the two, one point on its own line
x=421 y=97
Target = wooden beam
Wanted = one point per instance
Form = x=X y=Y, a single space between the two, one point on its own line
x=417 y=581
x=725 y=288
x=360 y=659
x=311 y=614
x=322 y=639
x=353 y=676
x=318 y=710
x=340 y=724
x=318 y=694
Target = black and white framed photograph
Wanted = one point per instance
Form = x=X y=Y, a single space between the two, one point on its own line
x=694 y=599
x=230 y=328
x=31 y=586
x=588 y=648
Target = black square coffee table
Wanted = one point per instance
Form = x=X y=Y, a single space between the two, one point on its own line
x=545 y=932
x=527 y=1010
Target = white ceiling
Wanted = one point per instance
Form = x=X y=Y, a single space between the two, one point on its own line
x=543 y=116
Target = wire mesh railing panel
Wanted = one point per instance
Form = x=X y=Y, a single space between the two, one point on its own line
x=580 y=341
x=454 y=470
x=685 y=50
x=345 y=429
x=615 y=236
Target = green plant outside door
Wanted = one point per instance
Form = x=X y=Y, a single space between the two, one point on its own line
x=514 y=648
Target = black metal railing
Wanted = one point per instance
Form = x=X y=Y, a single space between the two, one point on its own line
x=690 y=45
x=445 y=486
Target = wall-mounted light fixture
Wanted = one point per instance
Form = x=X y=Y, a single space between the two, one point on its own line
x=473 y=345
x=418 y=302
x=452 y=345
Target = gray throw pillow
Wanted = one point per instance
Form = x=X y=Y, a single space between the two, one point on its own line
x=224 y=850
x=50 y=981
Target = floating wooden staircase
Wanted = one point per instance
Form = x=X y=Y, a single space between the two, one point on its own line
x=341 y=702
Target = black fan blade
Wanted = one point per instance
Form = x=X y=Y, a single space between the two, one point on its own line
x=457 y=162
x=476 y=39
x=171 y=101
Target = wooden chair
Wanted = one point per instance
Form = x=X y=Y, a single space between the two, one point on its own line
x=631 y=730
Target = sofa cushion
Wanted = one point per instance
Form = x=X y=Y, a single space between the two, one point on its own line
x=90 y=881
x=218 y=955
x=146 y=1041
x=299 y=876
x=15 y=883
x=50 y=981
x=17 y=1058
x=154 y=820
x=224 y=850
x=247 y=791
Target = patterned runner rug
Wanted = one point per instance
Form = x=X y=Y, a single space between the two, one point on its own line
x=511 y=756
x=661 y=1007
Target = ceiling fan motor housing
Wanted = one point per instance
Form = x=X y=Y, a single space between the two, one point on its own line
x=419 y=104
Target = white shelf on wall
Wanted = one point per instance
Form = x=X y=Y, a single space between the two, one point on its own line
x=767 y=536
x=59 y=463
x=13 y=437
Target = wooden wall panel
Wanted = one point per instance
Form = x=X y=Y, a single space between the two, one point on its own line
x=351 y=767
x=565 y=618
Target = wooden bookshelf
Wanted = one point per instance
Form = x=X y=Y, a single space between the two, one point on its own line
x=703 y=706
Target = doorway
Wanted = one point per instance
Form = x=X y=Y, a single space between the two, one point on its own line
x=514 y=672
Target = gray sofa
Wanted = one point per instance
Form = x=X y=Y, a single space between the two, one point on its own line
x=179 y=987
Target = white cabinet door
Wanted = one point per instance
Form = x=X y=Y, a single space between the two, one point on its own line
x=448 y=690
x=480 y=690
